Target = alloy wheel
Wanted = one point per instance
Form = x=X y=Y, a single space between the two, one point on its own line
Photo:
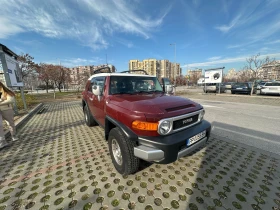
x=116 y=152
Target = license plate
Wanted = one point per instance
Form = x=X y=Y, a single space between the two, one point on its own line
x=239 y=88
x=196 y=138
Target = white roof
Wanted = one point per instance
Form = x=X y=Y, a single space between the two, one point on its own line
x=119 y=74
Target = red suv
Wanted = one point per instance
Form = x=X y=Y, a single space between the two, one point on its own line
x=142 y=121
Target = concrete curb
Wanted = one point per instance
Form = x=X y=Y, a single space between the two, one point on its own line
x=24 y=119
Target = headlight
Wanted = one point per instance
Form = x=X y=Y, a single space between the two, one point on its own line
x=201 y=115
x=164 y=127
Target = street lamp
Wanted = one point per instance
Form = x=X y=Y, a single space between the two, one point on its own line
x=174 y=63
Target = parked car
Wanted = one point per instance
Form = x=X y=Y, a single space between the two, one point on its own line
x=142 y=123
x=243 y=87
x=260 y=85
x=228 y=85
x=214 y=87
x=270 y=88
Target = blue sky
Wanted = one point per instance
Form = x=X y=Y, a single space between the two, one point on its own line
x=207 y=34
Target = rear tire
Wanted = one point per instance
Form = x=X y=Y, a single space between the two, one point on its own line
x=122 y=152
x=232 y=92
x=89 y=120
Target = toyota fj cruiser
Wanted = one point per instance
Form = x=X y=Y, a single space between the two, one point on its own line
x=142 y=121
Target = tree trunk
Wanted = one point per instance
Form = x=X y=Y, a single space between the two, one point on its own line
x=252 y=89
x=47 y=87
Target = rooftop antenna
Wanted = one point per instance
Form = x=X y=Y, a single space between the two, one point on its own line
x=106 y=59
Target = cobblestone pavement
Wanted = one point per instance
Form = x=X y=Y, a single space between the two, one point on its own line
x=60 y=163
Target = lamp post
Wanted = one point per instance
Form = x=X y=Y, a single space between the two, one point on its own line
x=174 y=71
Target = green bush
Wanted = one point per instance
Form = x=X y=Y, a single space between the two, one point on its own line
x=29 y=99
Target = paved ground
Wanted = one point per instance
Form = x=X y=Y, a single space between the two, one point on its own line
x=60 y=163
x=251 y=124
x=238 y=98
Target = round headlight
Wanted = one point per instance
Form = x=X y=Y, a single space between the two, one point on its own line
x=201 y=115
x=164 y=127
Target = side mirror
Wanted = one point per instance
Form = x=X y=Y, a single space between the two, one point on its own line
x=96 y=90
x=167 y=87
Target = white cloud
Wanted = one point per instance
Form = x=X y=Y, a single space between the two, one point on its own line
x=235 y=46
x=254 y=20
x=214 y=58
x=72 y=62
x=229 y=60
x=91 y=23
x=125 y=42
x=227 y=28
x=8 y=28
x=274 y=42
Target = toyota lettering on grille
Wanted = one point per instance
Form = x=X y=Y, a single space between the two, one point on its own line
x=187 y=120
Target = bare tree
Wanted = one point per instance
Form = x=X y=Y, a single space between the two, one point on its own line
x=59 y=75
x=43 y=71
x=194 y=77
x=181 y=80
x=26 y=64
x=82 y=79
x=254 y=65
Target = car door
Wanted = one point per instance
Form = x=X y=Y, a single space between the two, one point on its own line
x=99 y=101
x=91 y=98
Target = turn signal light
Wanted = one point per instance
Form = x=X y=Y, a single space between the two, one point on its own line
x=147 y=126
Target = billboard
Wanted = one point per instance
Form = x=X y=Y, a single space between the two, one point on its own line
x=13 y=71
x=213 y=76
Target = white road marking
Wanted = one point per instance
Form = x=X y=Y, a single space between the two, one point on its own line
x=244 y=134
x=210 y=106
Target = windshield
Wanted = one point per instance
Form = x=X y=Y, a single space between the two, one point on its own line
x=134 y=84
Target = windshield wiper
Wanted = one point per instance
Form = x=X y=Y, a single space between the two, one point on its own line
x=157 y=91
x=121 y=93
x=144 y=91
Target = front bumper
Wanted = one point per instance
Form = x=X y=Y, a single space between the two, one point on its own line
x=167 y=149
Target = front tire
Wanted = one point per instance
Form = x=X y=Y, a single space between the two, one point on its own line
x=89 y=120
x=122 y=152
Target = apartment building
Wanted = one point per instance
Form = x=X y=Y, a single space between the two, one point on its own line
x=135 y=65
x=271 y=71
x=159 y=68
x=195 y=73
x=80 y=74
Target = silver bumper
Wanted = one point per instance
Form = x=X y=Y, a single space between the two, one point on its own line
x=148 y=153
x=152 y=154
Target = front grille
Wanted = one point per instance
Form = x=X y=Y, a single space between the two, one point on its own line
x=185 y=122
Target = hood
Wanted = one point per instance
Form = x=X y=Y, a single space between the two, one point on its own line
x=154 y=104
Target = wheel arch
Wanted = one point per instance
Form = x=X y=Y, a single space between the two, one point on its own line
x=83 y=103
x=111 y=123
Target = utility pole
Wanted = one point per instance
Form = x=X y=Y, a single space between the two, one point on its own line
x=174 y=70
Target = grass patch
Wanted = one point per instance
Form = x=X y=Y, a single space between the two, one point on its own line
x=36 y=98
x=30 y=101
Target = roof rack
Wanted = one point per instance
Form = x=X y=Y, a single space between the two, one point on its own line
x=130 y=71
x=105 y=69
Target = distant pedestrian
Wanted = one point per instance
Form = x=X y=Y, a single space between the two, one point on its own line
x=7 y=98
